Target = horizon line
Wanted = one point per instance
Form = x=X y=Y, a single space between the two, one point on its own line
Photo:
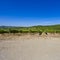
x=29 y=25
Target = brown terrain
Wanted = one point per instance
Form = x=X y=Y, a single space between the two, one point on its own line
x=30 y=47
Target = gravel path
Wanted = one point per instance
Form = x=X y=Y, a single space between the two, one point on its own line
x=30 y=49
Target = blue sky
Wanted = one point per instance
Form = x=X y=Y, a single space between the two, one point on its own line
x=29 y=12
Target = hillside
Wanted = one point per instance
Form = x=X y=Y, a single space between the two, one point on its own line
x=31 y=29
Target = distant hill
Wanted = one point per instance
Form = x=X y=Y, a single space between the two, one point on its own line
x=58 y=25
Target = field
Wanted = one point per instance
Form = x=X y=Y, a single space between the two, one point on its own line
x=31 y=29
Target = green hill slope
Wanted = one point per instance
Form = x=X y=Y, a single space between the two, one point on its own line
x=31 y=29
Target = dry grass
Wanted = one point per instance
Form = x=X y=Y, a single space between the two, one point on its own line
x=26 y=35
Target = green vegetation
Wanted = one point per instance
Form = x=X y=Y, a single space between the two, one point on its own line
x=33 y=29
x=2 y=31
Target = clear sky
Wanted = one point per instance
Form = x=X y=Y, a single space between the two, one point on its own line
x=29 y=12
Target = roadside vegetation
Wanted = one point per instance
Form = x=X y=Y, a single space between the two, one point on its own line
x=32 y=29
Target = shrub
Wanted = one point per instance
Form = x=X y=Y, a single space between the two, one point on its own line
x=3 y=31
x=40 y=32
x=50 y=31
x=13 y=31
x=57 y=31
x=33 y=31
x=24 y=31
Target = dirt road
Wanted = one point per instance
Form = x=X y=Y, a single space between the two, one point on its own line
x=30 y=49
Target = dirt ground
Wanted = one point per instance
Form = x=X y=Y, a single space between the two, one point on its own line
x=30 y=48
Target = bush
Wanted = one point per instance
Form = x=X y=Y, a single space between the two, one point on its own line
x=58 y=31
x=13 y=31
x=50 y=31
x=40 y=32
x=33 y=31
x=24 y=31
x=3 y=31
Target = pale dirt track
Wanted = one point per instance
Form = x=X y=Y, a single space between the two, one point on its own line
x=36 y=48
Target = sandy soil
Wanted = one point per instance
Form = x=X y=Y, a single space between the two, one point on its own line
x=30 y=48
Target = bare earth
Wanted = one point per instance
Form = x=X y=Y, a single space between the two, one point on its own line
x=30 y=48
